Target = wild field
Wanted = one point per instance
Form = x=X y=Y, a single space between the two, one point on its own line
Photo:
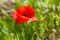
x=47 y=26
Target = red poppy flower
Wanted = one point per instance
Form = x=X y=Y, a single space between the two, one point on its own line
x=24 y=14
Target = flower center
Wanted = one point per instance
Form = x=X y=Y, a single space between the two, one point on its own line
x=25 y=15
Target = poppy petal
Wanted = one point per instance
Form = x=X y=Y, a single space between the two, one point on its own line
x=13 y=14
x=21 y=18
x=26 y=10
x=33 y=19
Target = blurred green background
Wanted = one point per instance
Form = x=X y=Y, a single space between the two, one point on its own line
x=46 y=28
